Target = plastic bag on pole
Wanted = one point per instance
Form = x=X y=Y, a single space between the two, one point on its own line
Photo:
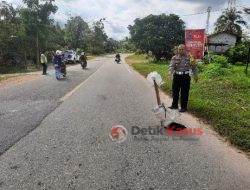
x=155 y=76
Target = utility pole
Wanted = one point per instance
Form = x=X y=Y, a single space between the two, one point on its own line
x=208 y=19
x=207 y=31
x=37 y=41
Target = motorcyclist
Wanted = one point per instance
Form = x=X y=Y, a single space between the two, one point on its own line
x=118 y=57
x=83 y=59
x=58 y=62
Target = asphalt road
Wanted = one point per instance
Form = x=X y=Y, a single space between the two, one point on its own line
x=70 y=148
x=24 y=106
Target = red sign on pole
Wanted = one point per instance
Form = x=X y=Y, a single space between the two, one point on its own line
x=195 y=43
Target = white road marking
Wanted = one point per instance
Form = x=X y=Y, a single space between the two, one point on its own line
x=69 y=94
x=125 y=65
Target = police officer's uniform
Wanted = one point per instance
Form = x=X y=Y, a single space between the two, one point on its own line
x=44 y=62
x=182 y=69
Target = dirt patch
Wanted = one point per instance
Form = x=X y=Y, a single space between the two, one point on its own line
x=15 y=80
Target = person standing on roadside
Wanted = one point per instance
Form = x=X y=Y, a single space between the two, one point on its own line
x=182 y=67
x=44 y=62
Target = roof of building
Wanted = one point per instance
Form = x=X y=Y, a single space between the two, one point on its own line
x=222 y=33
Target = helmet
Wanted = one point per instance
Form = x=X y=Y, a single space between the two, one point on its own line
x=83 y=53
x=58 y=52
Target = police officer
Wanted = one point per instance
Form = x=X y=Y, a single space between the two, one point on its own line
x=44 y=62
x=182 y=67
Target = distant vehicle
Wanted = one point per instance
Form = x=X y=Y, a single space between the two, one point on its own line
x=70 y=56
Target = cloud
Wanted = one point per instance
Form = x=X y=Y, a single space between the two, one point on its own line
x=206 y=3
x=121 y=13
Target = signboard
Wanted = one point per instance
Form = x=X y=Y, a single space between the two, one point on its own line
x=195 y=43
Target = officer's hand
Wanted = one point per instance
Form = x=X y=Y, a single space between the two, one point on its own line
x=196 y=78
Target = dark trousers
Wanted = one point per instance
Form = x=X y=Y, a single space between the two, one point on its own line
x=44 y=69
x=181 y=83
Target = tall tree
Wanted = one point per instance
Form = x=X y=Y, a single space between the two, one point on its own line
x=230 y=21
x=36 y=18
x=11 y=34
x=158 y=33
x=76 y=33
x=98 y=37
x=111 y=45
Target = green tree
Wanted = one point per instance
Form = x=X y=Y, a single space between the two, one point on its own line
x=37 y=22
x=11 y=35
x=55 y=38
x=98 y=38
x=238 y=53
x=126 y=45
x=158 y=33
x=230 y=21
x=111 y=45
x=76 y=33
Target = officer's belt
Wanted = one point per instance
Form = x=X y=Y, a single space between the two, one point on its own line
x=182 y=72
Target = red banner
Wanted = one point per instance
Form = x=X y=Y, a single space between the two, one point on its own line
x=195 y=43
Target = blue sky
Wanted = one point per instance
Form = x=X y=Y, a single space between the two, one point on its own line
x=120 y=13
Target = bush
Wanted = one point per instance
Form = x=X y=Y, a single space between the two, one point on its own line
x=205 y=60
x=239 y=63
x=220 y=59
x=238 y=53
x=139 y=52
x=201 y=67
x=217 y=70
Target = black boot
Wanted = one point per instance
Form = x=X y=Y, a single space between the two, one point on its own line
x=182 y=110
x=173 y=107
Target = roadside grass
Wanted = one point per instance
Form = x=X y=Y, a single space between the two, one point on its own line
x=136 y=59
x=221 y=97
x=16 y=70
x=90 y=57
x=7 y=73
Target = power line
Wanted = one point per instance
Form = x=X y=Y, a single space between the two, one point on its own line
x=219 y=10
x=203 y=12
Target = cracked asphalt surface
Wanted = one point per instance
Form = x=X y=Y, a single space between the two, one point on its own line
x=24 y=106
x=71 y=148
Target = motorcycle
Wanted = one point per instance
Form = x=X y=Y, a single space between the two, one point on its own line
x=83 y=64
x=118 y=60
x=60 y=71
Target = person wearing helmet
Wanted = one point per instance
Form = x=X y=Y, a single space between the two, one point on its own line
x=83 y=60
x=58 y=62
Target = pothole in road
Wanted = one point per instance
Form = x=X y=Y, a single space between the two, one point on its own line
x=176 y=126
